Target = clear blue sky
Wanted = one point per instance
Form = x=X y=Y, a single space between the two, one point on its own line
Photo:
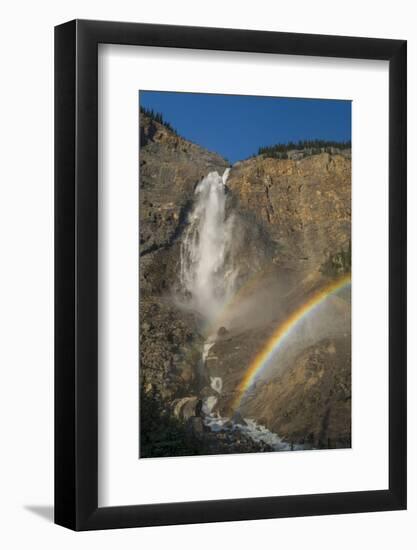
x=236 y=126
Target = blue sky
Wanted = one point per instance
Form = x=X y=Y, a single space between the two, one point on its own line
x=236 y=126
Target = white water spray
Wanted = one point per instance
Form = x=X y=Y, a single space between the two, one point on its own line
x=216 y=383
x=207 y=272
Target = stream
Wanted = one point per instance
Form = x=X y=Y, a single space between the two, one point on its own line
x=247 y=426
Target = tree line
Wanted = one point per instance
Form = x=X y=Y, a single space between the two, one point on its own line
x=316 y=146
x=158 y=117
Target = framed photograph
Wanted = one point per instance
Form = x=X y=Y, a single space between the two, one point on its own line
x=230 y=248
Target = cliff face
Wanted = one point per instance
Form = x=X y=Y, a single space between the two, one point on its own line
x=170 y=167
x=292 y=235
x=305 y=204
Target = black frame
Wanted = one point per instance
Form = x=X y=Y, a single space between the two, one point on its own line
x=76 y=270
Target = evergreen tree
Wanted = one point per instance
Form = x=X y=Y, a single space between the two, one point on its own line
x=313 y=146
x=157 y=117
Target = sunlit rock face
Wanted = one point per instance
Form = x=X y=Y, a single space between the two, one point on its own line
x=304 y=204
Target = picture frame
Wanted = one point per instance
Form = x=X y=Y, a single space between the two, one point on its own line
x=76 y=274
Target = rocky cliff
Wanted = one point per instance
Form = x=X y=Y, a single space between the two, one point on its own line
x=170 y=167
x=304 y=204
x=292 y=234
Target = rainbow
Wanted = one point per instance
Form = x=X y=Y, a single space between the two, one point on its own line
x=274 y=343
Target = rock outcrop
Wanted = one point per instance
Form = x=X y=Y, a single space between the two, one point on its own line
x=309 y=402
x=304 y=204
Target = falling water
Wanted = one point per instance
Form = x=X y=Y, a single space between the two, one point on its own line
x=216 y=383
x=207 y=271
x=208 y=275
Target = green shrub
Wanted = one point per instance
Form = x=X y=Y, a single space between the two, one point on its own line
x=339 y=263
x=160 y=433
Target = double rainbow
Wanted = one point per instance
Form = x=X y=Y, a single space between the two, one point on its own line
x=280 y=334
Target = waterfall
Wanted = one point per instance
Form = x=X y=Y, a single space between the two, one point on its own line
x=207 y=275
x=207 y=271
